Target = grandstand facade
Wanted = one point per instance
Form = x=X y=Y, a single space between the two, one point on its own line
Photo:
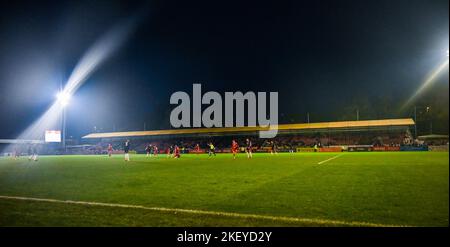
x=365 y=125
x=386 y=132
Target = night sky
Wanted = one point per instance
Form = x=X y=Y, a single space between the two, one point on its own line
x=323 y=57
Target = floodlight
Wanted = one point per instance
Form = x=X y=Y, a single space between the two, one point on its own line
x=63 y=98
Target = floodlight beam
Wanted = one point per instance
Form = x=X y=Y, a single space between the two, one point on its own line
x=63 y=98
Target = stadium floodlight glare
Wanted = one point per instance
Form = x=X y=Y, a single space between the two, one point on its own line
x=429 y=80
x=93 y=58
x=63 y=98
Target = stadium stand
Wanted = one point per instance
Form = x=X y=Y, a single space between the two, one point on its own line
x=379 y=133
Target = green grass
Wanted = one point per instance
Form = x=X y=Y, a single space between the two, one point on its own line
x=392 y=188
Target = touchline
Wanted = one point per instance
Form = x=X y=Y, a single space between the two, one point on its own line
x=212 y=115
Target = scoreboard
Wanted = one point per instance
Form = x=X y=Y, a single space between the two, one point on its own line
x=52 y=136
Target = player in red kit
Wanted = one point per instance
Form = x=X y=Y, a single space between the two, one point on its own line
x=176 y=152
x=234 y=148
x=155 y=150
x=197 y=148
x=110 y=149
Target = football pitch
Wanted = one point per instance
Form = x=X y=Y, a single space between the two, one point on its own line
x=300 y=189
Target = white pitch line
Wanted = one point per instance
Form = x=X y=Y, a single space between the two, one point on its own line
x=204 y=212
x=332 y=158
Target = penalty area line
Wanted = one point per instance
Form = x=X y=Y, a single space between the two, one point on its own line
x=332 y=158
x=205 y=212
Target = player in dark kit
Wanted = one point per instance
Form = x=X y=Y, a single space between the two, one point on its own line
x=148 y=149
x=30 y=153
x=15 y=153
x=212 y=149
x=35 y=154
x=234 y=148
x=274 y=148
x=126 y=149
x=248 y=148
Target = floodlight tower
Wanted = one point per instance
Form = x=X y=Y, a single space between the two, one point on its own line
x=63 y=99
